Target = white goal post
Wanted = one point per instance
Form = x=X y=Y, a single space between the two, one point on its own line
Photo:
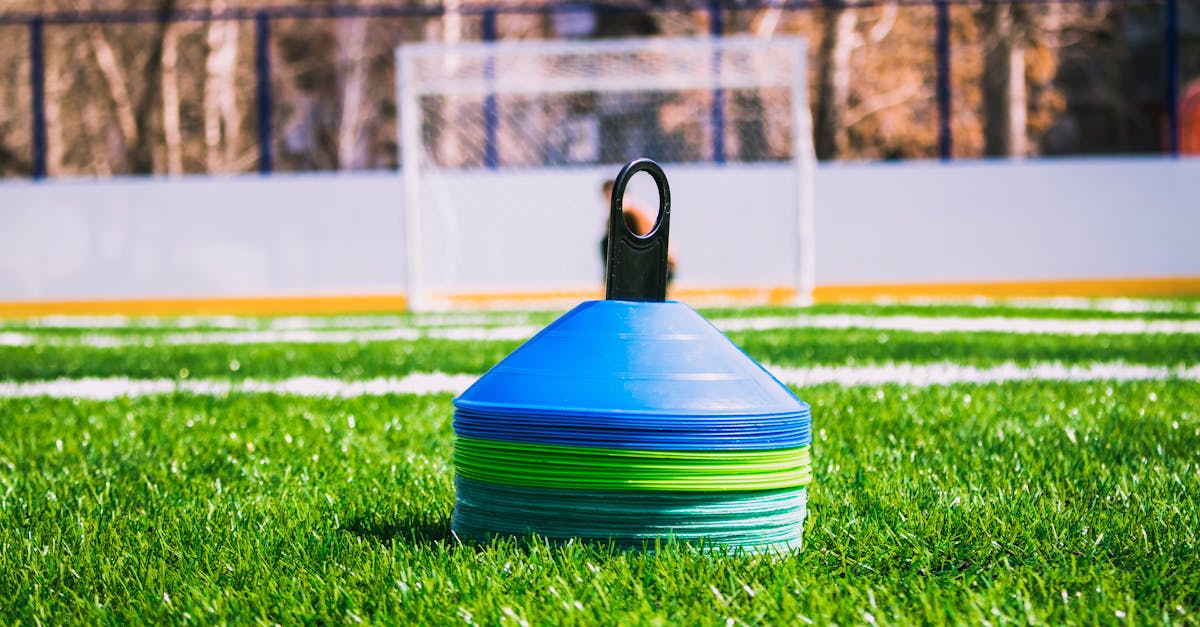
x=503 y=146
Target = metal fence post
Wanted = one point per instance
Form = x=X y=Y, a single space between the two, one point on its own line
x=945 y=138
x=262 y=77
x=490 y=157
x=37 y=90
x=716 y=28
x=1172 y=84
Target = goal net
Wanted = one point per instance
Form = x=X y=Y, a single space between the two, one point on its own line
x=505 y=146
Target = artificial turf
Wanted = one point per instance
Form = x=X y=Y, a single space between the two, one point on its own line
x=1023 y=501
x=1016 y=502
x=784 y=347
x=149 y=326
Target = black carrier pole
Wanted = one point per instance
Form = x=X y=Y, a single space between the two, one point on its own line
x=637 y=264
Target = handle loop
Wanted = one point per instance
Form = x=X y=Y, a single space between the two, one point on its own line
x=637 y=264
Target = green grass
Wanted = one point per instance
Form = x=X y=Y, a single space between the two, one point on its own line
x=353 y=360
x=1171 y=309
x=380 y=359
x=961 y=503
x=1022 y=502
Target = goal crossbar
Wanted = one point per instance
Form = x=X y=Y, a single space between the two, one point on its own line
x=738 y=62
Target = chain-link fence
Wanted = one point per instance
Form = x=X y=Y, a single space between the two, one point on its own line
x=311 y=87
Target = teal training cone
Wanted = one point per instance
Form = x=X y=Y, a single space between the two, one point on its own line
x=757 y=521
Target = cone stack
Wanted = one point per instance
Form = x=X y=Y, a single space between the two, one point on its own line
x=627 y=422
x=632 y=419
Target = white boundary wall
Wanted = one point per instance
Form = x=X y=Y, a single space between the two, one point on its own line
x=914 y=222
x=997 y=221
x=127 y=238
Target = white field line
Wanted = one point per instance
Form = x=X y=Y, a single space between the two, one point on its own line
x=251 y=323
x=117 y=387
x=291 y=336
x=921 y=324
x=949 y=373
x=435 y=382
x=927 y=324
x=1113 y=305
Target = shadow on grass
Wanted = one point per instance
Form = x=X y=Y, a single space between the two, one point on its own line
x=436 y=534
x=413 y=531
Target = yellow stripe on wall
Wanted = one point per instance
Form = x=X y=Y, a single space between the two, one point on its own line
x=510 y=300
x=715 y=296
x=1097 y=288
x=712 y=296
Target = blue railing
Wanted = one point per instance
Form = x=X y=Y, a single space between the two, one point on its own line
x=262 y=18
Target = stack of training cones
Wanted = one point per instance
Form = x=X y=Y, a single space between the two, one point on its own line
x=632 y=419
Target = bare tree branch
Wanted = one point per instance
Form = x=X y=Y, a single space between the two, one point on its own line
x=838 y=40
x=353 y=44
x=880 y=102
x=887 y=20
x=118 y=86
x=220 y=107
x=170 y=89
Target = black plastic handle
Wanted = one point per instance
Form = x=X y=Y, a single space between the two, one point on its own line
x=637 y=264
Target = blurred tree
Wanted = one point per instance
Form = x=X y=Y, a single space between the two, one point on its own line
x=141 y=154
x=160 y=96
x=1005 y=28
x=172 y=136
x=222 y=119
x=838 y=41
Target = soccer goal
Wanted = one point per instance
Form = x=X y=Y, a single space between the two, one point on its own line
x=505 y=146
